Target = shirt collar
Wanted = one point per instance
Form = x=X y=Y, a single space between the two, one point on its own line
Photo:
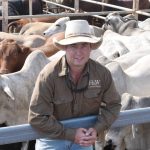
x=64 y=67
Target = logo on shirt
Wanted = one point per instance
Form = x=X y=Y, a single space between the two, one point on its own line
x=94 y=83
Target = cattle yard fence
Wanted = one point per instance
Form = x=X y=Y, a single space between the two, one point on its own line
x=122 y=10
x=25 y=132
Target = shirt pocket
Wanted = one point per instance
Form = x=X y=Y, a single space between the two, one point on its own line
x=92 y=100
x=63 y=107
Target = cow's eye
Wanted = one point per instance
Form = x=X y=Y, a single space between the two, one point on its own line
x=107 y=22
x=126 y=19
x=57 y=25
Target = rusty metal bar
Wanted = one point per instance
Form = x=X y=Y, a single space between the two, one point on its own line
x=4 y=15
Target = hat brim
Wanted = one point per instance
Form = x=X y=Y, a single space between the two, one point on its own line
x=94 y=41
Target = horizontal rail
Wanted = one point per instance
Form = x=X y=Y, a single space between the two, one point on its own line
x=108 y=5
x=66 y=14
x=25 y=132
x=124 y=10
x=54 y=3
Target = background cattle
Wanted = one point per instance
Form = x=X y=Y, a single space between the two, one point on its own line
x=26 y=40
x=15 y=93
x=115 y=45
x=15 y=26
x=41 y=27
x=60 y=26
x=132 y=137
x=16 y=89
x=122 y=25
x=133 y=79
x=34 y=28
x=145 y=25
x=13 y=55
x=90 y=7
x=21 y=7
x=126 y=25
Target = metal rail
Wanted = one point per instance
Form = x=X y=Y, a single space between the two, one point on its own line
x=25 y=132
x=124 y=10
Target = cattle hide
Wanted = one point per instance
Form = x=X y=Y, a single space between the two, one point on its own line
x=16 y=89
x=133 y=79
x=135 y=137
x=26 y=40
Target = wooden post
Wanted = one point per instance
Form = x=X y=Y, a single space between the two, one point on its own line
x=5 y=15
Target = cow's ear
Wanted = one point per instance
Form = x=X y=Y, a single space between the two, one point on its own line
x=126 y=101
x=8 y=92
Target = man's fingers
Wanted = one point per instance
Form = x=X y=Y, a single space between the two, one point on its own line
x=86 y=143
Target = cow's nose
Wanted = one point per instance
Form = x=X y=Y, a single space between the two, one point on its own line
x=109 y=145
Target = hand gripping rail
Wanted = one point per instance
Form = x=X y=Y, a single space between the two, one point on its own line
x=25 y=132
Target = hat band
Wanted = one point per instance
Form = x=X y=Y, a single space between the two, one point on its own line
x=78 y=34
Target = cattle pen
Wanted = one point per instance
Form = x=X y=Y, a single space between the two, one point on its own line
x=24 y=132
x=121 y=10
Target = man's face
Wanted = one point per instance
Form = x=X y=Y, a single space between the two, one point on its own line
x=78 y=54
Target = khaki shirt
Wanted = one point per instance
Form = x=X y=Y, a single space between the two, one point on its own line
x=53 y=99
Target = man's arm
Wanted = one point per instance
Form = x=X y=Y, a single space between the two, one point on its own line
x=41 y=111
x=110 y=106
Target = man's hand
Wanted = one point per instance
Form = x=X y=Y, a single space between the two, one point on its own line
x=85 y=137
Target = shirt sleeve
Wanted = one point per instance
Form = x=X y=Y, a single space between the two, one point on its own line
x=41 y=111
x=110 y=106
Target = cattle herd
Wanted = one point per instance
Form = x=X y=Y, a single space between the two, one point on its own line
x=125 y=51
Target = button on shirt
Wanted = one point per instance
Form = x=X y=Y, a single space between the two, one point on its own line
x=53 y=100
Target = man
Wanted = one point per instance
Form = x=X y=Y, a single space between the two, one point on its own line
x=73 y=86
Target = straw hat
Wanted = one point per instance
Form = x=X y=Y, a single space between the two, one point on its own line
x=78 y=31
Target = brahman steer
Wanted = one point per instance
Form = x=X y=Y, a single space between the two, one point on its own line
x=135 y=79
x=115 y=45
x=26 y=40
x=41 y=28
x=60 y=26
x=127 y=25
x=132 y=137
x=15 y=93
x=130 y=58
x=13 y=55
x=36 y=28
x=16 y=89
x=15 y=26
x=145 y=25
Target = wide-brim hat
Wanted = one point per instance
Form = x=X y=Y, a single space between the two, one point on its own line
x=78 y=31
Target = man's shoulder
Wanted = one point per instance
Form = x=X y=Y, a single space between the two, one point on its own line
x=97 y=66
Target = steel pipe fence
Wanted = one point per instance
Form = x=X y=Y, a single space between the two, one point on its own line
x=124 y=10
x=25 y=132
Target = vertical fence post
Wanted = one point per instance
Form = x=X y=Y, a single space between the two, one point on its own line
x=5 y=15
x=30 y=8
x=76 y=5
x=135 y=7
